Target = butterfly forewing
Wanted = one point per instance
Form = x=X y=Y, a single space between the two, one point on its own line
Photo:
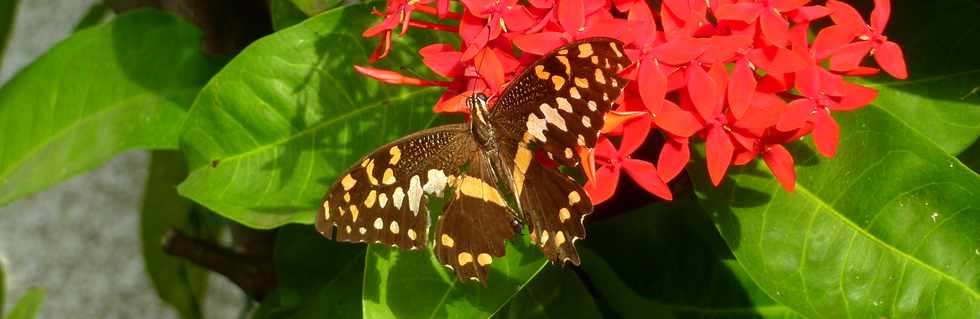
x=476 y=223
x=561 y=99
x=382 y=198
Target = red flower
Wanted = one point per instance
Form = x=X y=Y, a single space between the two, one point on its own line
x=766 y=12
x=612 y=162
x=850 y=24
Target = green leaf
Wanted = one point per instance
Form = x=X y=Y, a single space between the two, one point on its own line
x=318 y=278
x=104 y=90
x=667 y=260
x=890 y=227
x=556 y=292
x=314 y=7
x=412 y=284
x=177 y=281
x=940 y=99
x=285 y=14
x=8 y=11
x=28 y=305
x=269 y=134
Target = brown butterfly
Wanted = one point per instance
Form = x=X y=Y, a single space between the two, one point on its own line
x=556 y=105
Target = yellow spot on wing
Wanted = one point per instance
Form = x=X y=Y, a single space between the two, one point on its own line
x=568 y=66
x=563 y=104
x=447 y=241
x=541 y=73
x=370 y=199
x=615 y=49
x=564 y=214
x=464 y=258
x=599 y=77
x=353 y=213
x=389 y=176
x=370 y=173
x=574 y=198
x=477 y=188
x=396 y=154
x=559 y=238
x=348 y=182
x=484 y=259
x=581 y=82
x=558 y=81
x=584 y=50
x=521 y=161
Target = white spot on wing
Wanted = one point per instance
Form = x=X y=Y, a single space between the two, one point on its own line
x=536 y=126
x=397 y=197
x=415 y=195
x=551 y=116
x=436 y=182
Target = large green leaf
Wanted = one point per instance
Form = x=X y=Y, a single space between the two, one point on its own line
x=103 y=90
x=667 y=260
x=177 y=281
x=269 y=134
x=556 y=292
x=890 y=227
x=412 y=284
x=940 y=98
x=318 y=278
x=28 y=305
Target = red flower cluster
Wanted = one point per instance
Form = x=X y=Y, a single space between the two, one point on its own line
x=741 y=75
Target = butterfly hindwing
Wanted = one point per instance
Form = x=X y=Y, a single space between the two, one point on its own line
x=382 y=198
x=475 y=224
x=561 y=99
x=555 y=207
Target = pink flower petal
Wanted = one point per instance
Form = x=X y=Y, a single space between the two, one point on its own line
x=680 y=123
x=845 y=15
x=774 y=27
x=720 y=149
x=702 y=90
x=890 y=57
x=645 y=175
x=797 y=113
x=854 y=97
x=745 y=12
x=571 y=15
x=740 y=88
x=652 y=85
x=879 y=16
x=673 y=157
x=539 y=43
x=607 y=177
x=634 y=133
x=780 y=163
x=849 y=56
x=825 y=134
x=831 y=39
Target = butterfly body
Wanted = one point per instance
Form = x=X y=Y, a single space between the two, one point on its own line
x=555 y=106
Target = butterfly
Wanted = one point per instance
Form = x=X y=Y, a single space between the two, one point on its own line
x=555 y=106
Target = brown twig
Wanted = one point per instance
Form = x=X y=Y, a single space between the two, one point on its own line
x=255 y=274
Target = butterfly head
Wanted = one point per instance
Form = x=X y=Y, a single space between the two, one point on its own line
x=479 y=126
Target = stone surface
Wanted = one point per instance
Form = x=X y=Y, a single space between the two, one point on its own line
x=79 y=240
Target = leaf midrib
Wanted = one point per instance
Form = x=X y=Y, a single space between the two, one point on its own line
x=324 y=124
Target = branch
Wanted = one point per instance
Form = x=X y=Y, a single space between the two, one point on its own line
x=253 y=274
